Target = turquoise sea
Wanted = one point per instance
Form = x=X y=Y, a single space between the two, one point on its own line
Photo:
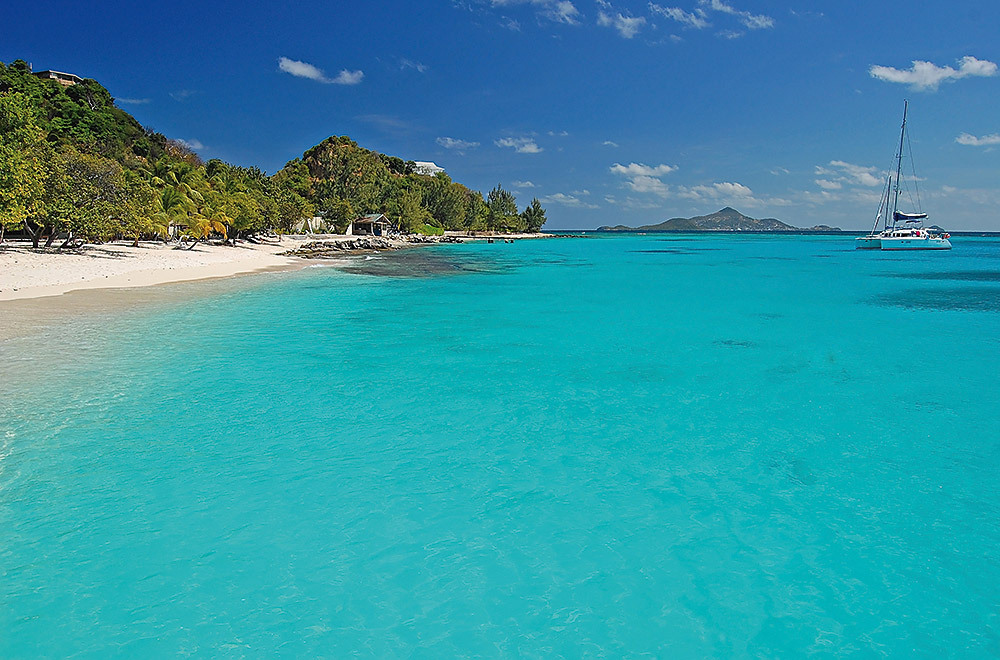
x=612 y=446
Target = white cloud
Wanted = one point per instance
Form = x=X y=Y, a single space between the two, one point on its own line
x=559 y=134
x=306 y=70
x=410 y=64
x=627 y=26
x=829 y=185
x=456 y=144
x=644 y=178
x=521 y=145
x=192 y=144
x=609 y=143
x=751 y=21
x=697 y=19
x=567 y=200
x=639 y=169
x=563 y=12
x=716 y=191
x=522 y=184
x=182 y=94
x=133 y=101
x=927 y=76
x=559 y=11
x=858 y=175
x=648 y=184
x=346 y=77
x=301 y=69
x=974 y=141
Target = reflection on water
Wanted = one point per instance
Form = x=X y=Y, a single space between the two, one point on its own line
x=425 y=263
x=957 y=275
x=960 y=299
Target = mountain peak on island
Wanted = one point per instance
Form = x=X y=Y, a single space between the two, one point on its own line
x=725 y=219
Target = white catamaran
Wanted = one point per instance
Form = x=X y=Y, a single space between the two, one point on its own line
x=906 y=232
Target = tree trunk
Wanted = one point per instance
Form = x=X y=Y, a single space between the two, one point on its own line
x=35 y=235
x=52 y=237
x=135 y=243
x=69 y=239
x=193 y=243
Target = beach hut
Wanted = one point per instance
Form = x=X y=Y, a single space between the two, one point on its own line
x=375 y=224
x=65 y=79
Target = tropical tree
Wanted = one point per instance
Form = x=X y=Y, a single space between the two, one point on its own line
x=22 y=172
x=502 y=210
x=200 y=227
x=140 y=210
x=533 y=216
x=445 y=200
x=338 y=213
x=404 y=204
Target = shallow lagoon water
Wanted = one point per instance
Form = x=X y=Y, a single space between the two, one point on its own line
x=682 y=446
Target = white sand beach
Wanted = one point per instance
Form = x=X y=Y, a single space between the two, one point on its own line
x=27 y=273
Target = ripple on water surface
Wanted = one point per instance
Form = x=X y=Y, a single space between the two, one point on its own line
x=547 y=449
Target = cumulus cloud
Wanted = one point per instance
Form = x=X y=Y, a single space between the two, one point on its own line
x=974 y=141
x=456 y=144
x=639 y=169
x=305 y=70
x=724 y=190
x=848 y=173
x=643 y=178
x=627 y=26
x=568 y=200
x=522 y=184
x=521 y=145
x=648 y=184
x=927 y=76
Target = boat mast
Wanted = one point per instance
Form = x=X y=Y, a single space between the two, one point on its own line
x=899 y=163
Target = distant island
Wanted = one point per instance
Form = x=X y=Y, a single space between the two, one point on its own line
x=727 y=219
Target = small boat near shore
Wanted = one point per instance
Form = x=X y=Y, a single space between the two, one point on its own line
x=906 y=232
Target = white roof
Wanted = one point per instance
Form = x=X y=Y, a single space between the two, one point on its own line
x=427 y=167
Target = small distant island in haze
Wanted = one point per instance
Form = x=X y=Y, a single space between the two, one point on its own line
x=727 y=219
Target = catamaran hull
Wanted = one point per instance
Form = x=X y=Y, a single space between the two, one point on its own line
x=868 y=243
x=915 y=244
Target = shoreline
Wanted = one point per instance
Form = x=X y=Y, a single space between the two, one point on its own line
x=26 y=273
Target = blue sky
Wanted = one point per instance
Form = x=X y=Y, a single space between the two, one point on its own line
x=609 y=112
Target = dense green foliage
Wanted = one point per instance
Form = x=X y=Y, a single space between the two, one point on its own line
x=74 y=166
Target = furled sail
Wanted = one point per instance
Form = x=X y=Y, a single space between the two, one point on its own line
x=899 y=216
